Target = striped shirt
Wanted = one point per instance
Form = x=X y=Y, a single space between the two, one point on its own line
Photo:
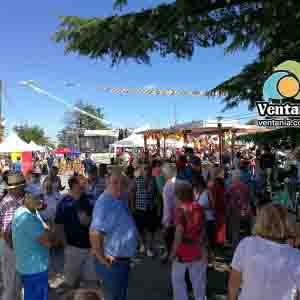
x=144 y=196
x=8 y=206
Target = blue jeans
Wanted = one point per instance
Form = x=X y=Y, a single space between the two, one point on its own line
x=35 y=286
x=115 y=279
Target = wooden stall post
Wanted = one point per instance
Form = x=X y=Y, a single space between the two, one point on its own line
x=165 y=150
x=146 y=152
x=220 y=133
x=185 y=138
x=158 y=144
x=233 y=137
x=145 y=142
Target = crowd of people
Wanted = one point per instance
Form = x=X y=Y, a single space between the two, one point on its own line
x=108 y=215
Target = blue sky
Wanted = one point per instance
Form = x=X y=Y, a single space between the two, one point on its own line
x=28 y=53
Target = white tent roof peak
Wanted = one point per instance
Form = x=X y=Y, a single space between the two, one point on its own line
x=132 y=141
x=141 y=129
x=36 y=146
x=13 y=143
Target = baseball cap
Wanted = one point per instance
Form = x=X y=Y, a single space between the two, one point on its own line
x=34 y=190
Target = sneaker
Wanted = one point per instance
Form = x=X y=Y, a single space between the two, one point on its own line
x=150 y=253
x=164 y=256
x=142 y=249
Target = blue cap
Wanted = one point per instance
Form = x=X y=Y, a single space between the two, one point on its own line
x=34 y=190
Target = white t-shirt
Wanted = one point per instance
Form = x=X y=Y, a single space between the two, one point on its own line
x=203 y=200
x=270 y=271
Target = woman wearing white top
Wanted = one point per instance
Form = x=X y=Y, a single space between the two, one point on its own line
x=202 y=197
x=264 y=266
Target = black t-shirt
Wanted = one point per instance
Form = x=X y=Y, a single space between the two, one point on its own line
x=267 y=161
x=226 y=158
x=75 y=215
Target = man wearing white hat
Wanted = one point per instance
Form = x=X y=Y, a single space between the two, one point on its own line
x=8 y=206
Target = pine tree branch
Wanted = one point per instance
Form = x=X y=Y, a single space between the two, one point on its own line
x=168 y=29
x=179 y=27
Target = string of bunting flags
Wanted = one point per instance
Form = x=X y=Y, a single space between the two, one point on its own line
x=159 y=92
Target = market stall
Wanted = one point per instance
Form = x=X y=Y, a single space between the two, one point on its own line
x=215 y=137
x=17 y=148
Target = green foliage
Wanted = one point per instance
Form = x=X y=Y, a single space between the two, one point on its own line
x=251 y=122
x=77 y=120
x=32 y=133
x=268 y=26
x=119 y=3
x=63 y=138
x=289 y=135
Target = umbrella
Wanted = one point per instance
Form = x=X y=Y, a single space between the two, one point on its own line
x=74 y=151
x=62 y=151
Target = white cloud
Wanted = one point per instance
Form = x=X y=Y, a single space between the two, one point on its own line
x=150 y=86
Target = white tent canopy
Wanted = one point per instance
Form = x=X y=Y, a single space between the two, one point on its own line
x=37 y=147
x=133 y=141
x=137 y=141
x=14 y=144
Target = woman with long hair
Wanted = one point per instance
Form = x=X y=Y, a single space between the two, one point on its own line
x=264 y=266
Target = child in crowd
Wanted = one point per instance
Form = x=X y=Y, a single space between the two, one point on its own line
x=188 y=253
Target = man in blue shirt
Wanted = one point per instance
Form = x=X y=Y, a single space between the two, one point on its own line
x=17 y=166
x=88 y=163
x=32 y=240
x=114 y=239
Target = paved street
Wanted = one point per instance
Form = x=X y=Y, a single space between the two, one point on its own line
x=150 y=280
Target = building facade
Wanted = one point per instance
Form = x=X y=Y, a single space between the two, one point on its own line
x=97 y=141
